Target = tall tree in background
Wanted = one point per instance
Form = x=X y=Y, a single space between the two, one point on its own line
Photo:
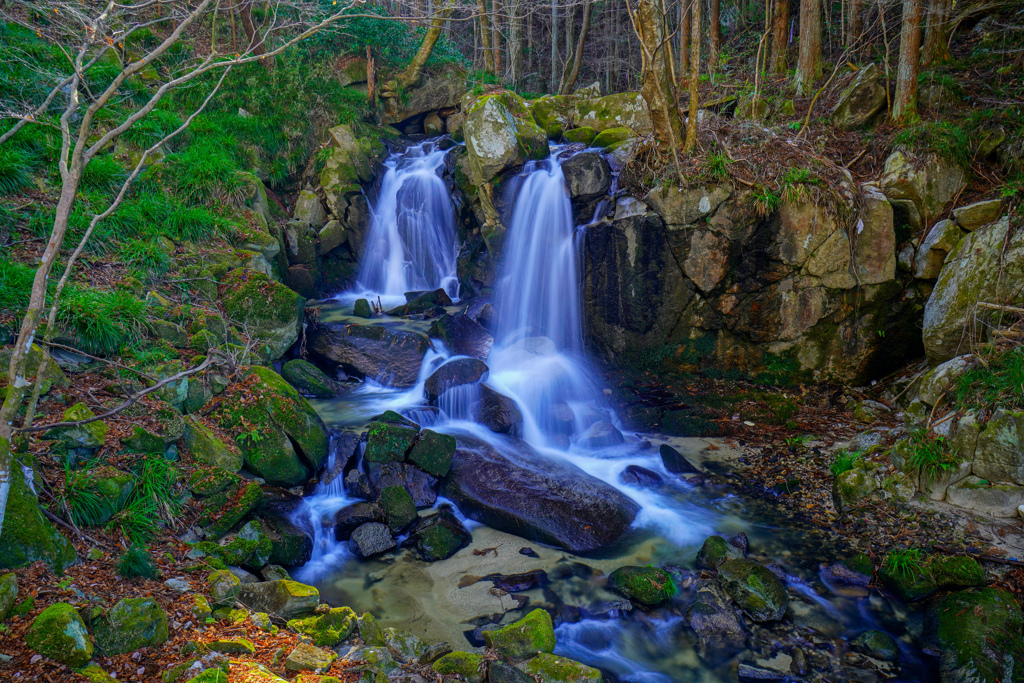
x=808 y=68
x=936 y=35
x=853 y=23
x=496 y=51
x=780 y=37
x=684 y=35
x=485 y=36
x=572 y=65
x=714 y=34
x=656 y=81
x=691 y=123
x=904 y=103
x=414 y=71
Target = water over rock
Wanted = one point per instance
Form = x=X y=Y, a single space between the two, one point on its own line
x=454 y=373
x=587 y=176
x=523 y=492
x=392 y=357
x=498 y=412
x=463 y=335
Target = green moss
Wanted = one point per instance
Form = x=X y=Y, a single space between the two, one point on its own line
x=251 y=547
x=327 y=630
x=979 y=634
x=554 y=669
x=862 y=564
x=433 y=452
x=583 y=135
x=399 y=508
x=308 y=379
x=232 y=646
x=91 y=435
x=27 y=536
x=464 y=664
x=754 y=588
x=95 y=674
x=60 y=634
x=129 y=625
x=388 y=442
x=268 y=310
x=646 y=585
x=611 y=138
x=227 y=509
x=229 y=615
x=524 y=638
x=206 y=481
x=715 y=551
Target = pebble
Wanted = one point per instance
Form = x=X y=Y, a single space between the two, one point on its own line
x=179 y=584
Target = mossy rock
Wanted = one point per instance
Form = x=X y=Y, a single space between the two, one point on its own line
x=464 y=664
x=648 y=586
x=626 y=109
x=327 y=630
x=268 y=310
x=877 y=644
x=553 y=113
x=131 y=624
x=8 y=594
x=308 y=379
x=851 y=487
x=862 y=564
x=90 y=435
x=500 y=133
x=226 y=509
x=280 y=435
x=27 y=536
x=94 y=674
x=229 y=615
x=112 y=486
x=399 y=508
x=224 y=587
x=388 y=442
x=169 y=332
x=935 y=573
x=209 y=449
x=370 y=630
x=433 y=452
x=290 y=546
x=715 y=551
x=361 y=309
x=611 y=138
x=978 y=632
x=584 y=135
x=534 y=633
x=60 y=634
x=754 y=589
x=201 y=609
x=232 y=646
x=206 y=481
x=52 y=377
x=251 y=547
x=555 y=669
x=440 y=536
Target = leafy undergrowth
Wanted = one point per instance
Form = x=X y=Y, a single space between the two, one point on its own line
x=997 y=382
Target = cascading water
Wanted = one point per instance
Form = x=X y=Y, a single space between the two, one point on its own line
x=411 y=245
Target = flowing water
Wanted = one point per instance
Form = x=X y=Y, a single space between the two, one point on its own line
x=538 y=360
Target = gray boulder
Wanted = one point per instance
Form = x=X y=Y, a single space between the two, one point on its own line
x=714 y=620
x=587 y=176
x=861 y=102
x=937 y=244
x=392 y=357
x=372 y=539
x=974 y=216
x=920 y=188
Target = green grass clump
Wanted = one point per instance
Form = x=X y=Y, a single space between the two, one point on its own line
x=843 y=461
x=147 y=255
x=766 y=201
x=137 y=563
x=152 y=500
x=15 y=285
x=16 y=168
x=999 y=382
x=101 y=322
x=903 y=563
x=932 y=454
x=103 y=173
x=85 y=505
x=942 y=138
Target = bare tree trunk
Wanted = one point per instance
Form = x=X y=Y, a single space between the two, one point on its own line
x=936 y=35
x=691 y=123
x=656 y=80
x=714 y=35
x=904 y=104
x=530 y=43
x=496 y=37
x=256 y=45
x=684 y=35
x=371 y=79
x=572 y=68
x=414 y=71
x=854 y=23
x=780 y=37
x=485 y=36
x=808 y=68
x=554 y=45
x=515 y=44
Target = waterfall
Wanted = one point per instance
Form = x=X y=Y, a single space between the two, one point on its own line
x=411 y=244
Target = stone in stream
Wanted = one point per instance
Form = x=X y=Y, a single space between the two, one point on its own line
x=351 y=517
x=675 y=462
x=454 y=373
x=463 y=335
x=422 y=302
x=648 y=586
x=978 y=632
x=600 y=435
x=838 y=574
x=308 y=379
x=361 y=309
x=498 y=412
x=715 y=551
x=387 y=442
x=748 y=673
x=557 y=669
x=587 y=176
x=399 y=508
x=533 y=634
x=933 y=574
x=741 y=542
x=439 y=536
x=433 y=452
x=421 y=486
x=877 y=644
x=358 y=485
x=755 y=589
x=641 y=477
x=500 y=672
x=371 y=539
x=714 y=620
x=392 y=357
x=532 y=496
x=465 y=664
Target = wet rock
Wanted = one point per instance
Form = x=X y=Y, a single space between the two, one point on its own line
x=714 y=620
x=838 y=574
x=877 y=644
x=529 y=552
x=715 y=551
x=433 y=452
x=756 y=591
x=308 y=379
x=933 y=574
x=422 y=302
x=500 y=133
x=979 y=634
x=675 y=462
x=532 y=496
x=358 y=485
x=463 y=335
x=517 y=583
x=454 y=373
x=399 y=508
x=391 y=357
x=464 y=664
x=600 y=435
x=371 y=539
x=587 y=176
x=741 y=542
x=534 y=633
x=60 y=634
x=361 y=309
x=421 y=486
x=386 y=442
x=557 y=669
x=351 y=517
x=648 y=586
x=500 y=672
x=439 y=536
x=799 y=664
x=641 y=477
x=749 y=673
x=286 y=599
x=499 y=413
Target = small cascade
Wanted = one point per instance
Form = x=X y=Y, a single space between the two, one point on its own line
x=411 y=244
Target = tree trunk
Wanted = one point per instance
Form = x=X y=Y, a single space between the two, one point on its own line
x=808 y=68
x=415 y=69
x=251 y=34
x=780 y=37
x=936 y=35
x=684 y=35
x=554 y=45
x=656 y=82
x=714 y=35
x=485 y=36
x=904 y=104
x=572 y=68
x=496 y=37
x=854 y=23
x=691 y=123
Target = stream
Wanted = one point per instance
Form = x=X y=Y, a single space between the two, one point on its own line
x=538 y=360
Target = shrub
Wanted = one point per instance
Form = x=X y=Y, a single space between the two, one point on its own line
x=16 y=168
x=999 y=382
x=101 y=322
x=932 y=454
x=903 y=563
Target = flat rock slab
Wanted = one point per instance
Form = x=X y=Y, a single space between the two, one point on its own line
x=391 y=357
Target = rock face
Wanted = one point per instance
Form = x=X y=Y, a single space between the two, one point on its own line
x=522 y=492
x=441 y=92
x=939 y=241
x=500 y=133
x=463 y=335
x=920 y=188
x=977 y=269
x=271 y=311
x=390 y=357
x=587 y=176
x=861 y=102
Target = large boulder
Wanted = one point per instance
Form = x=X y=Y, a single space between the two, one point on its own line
x=281 y=437
x=937 y=244
x=713 y=619
x=978 y=632
x=553 y=113
x=308 y=379
x=391 y=357
x=621 y=110
x=267 y=310
x=974 y=216
x=533 y=634
x=523 y=492
x=999 y=454
x=920 y=188
x=454 y=373
x=60 y=634
x=463 y=336
x=131 y=624
x=500 y=134
x=432 y=93
x=861 y=102
x=285 y=599
x=754 y=588
x=498 y=412
x=587 y=176
x=978 y=269
x=27 y=536
x=207 y=448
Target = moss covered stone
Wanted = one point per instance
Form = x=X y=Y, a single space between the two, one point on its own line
x=387 y=442
x=464 y=664
x=978 y=632
x=251 y=547
x=399 y=508
x=112 y=486
x=753 y=587
x=308 y=379
x=280 y=435
x=500 y=133
x=129 y=625
x=206 y=481
x=440 y=536
x=610 y=139
x=851 y=487
x=224 y=587
x=209 y=449
x=52 y=376
x=648 y=586
x=619 y=110
x=715 y=551
x=361 y=309
x=433 y=452
x=27 y=536
x=60 y=634
x=326 y=630
x=287 y=599
x=8 y=594
x=935 y=573
x=232 y=646
x=554 y=669
x=269 y=311
x=524 y=638
x=226 y=509
x=94 y=674
x=877 y=644
x=553 y=113
x=310 y=658
x=201 y=607
x=584 y=135
x=90 y=435
x=231 y=616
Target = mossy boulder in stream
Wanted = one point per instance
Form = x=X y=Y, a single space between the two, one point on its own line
x=27 y=536
x=439 y=536
x=464 y=664
x=555 y=669
x=60 y=634
x=715 y=551
x=533 y=634
x=553 y=113
x=387 y=442
x=584 y=135
x=648 y=586
x=433 y=452
x=308 y=379
x=398 y=506
x=269 y=311
x=129 y=625
x=754 y=588
x=979 y=633
x=877 y=644
x=915 y=581
x=610 y=139
x=329 y=629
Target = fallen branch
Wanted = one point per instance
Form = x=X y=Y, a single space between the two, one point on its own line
x=978 y=555
x=57 y=520
x=998 y=307
x=102 y=360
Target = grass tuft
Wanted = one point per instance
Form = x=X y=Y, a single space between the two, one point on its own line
x=137 y=563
